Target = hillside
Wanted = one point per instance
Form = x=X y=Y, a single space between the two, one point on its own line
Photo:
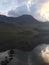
x=22 y=33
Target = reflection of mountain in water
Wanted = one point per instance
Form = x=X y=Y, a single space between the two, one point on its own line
x=14 y=32
x=27 y=58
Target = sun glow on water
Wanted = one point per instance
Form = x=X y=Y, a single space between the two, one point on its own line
x=45 y=54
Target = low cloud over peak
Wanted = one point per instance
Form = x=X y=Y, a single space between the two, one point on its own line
x=15 y=8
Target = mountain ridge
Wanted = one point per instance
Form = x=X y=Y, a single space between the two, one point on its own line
x=23 y=33
x=23 y=17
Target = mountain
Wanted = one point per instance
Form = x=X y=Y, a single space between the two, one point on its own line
x=22 y=18
x=23 y=33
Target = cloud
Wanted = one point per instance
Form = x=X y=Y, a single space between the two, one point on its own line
x=19 y=7
x=18 y=11
x=28 y=7
x=3 y=13
x=22 y=8
x=44 y=10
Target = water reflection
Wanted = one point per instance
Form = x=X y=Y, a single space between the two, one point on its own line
x=37 y=56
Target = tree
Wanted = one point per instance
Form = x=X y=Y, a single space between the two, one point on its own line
x=3 y=63
x=6 y=59
x=11 y=54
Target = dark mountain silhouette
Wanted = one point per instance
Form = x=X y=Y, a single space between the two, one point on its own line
x=22 y=32
x=21 y=19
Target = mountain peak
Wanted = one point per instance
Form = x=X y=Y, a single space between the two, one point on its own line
x=21 y=19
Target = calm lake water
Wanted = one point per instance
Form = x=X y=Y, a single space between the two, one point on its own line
x=25 y=58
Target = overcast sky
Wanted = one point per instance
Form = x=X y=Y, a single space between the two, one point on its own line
x=14 y=8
